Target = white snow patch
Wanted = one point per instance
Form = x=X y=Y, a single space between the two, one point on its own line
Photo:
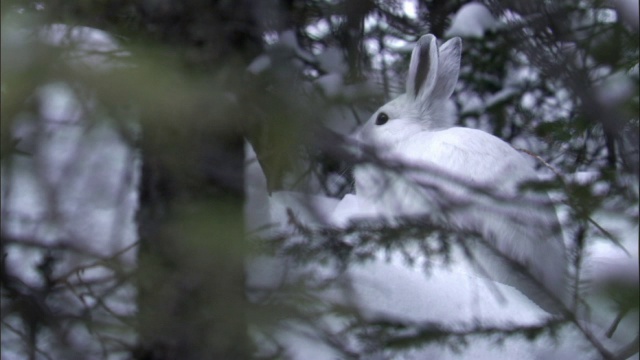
x=472 y=20
x=59 y=103
x=87 y=46
x=319 y=29
x=410 y=8
x=259 y=64
x=81 y=37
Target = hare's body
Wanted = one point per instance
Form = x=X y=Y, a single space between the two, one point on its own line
x=471 y=156
x=467 y=178
x=470 y=179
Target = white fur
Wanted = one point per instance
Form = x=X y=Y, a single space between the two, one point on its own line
x=466 y=177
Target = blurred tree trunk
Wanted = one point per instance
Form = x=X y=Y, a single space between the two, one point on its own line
x=191 y=300
x=190 y=278
x=438 y=12
x=351 y=35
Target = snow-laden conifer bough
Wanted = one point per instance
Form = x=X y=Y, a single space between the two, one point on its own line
x=465 y=178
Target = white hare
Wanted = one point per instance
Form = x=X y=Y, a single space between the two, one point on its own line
x=465 y=177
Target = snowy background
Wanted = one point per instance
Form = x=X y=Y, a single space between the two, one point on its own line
x=332 y=284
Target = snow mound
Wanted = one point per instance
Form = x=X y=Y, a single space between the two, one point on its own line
x=472 y=20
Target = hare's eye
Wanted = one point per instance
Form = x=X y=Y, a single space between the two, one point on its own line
x=382 y=119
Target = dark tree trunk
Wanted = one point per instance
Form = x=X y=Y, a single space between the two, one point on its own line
x=191 y=302
x=191 y=288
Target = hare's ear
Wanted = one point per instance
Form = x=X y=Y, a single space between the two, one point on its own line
x=448 y=69
x=423 y=69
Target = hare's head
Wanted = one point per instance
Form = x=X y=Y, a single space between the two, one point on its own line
x=433 y=73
